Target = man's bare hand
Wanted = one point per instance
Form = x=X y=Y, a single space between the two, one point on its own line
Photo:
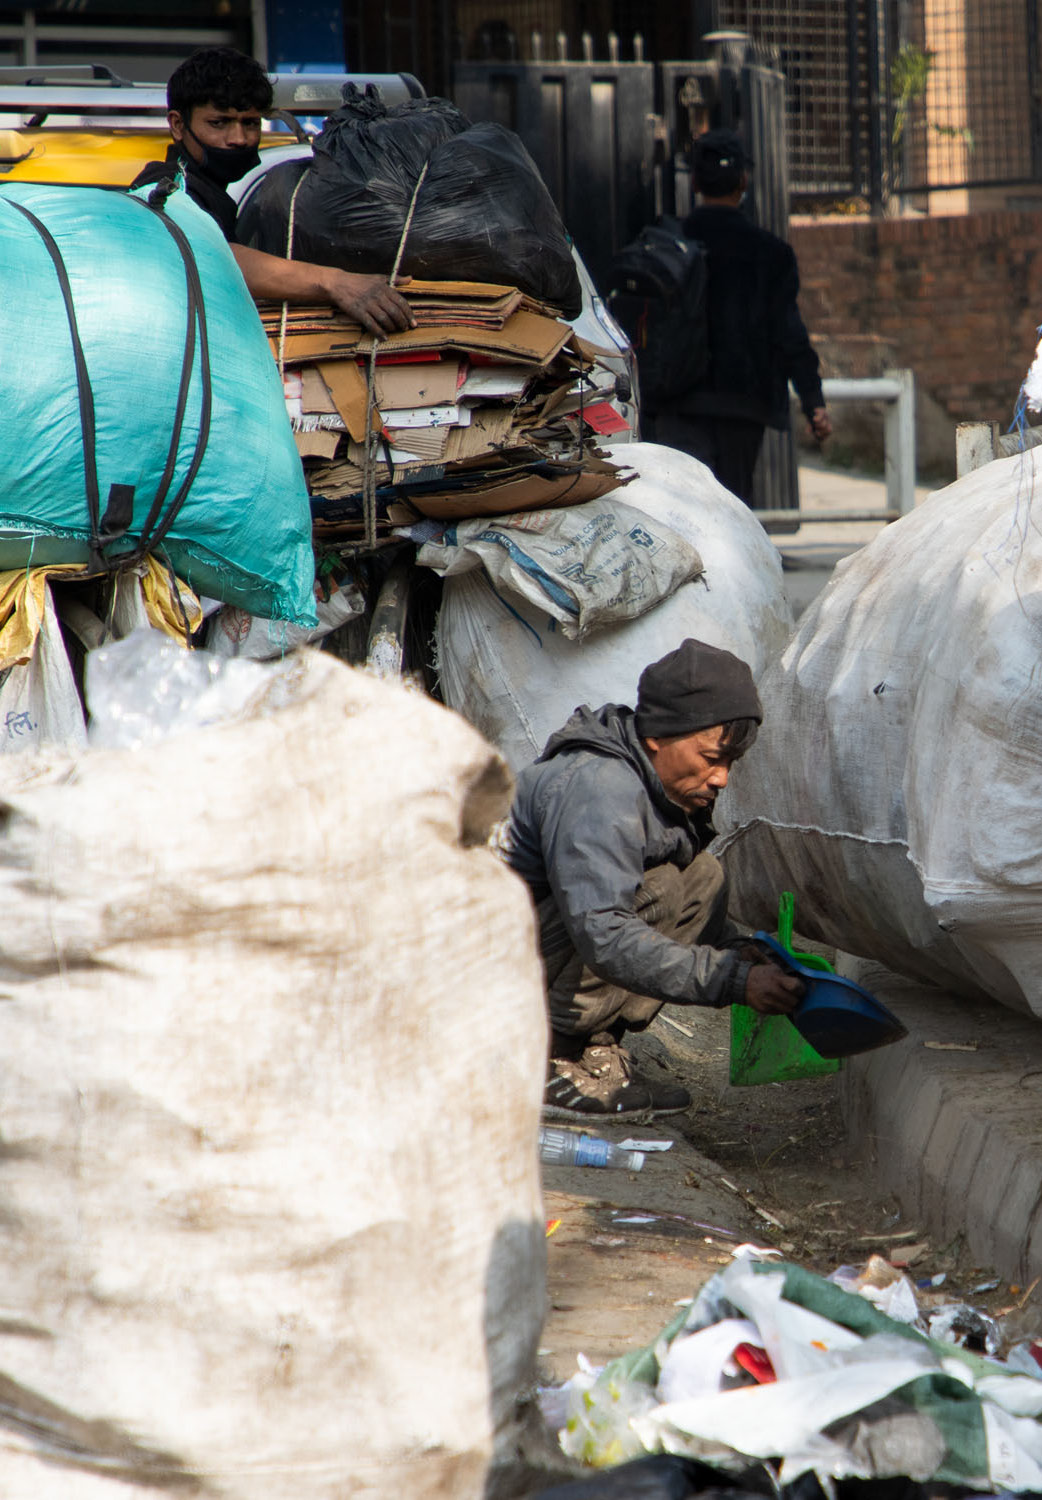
x=372 y=300
x=770 y=992
x=820 y=424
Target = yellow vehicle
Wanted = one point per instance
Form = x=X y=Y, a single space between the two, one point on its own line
x=85 y=124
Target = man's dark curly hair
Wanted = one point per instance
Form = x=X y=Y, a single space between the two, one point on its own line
x=222 y=76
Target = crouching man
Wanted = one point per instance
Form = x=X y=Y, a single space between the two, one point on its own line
x=610 y=828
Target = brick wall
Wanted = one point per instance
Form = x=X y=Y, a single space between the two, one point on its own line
x=957 y=300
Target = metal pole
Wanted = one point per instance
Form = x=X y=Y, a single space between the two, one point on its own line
x=899 y=444
x=259 y=31
x=833 y=517
x=29 y=57
x=853 y=95
x=875 y=119
x=1034 y=86
x=897 y=389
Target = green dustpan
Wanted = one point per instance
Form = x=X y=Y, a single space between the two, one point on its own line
x=769 y=1049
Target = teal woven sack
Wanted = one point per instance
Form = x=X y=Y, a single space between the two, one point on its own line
x=140 y=408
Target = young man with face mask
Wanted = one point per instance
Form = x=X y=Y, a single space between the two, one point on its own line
x=610 y=830
x=216 y=102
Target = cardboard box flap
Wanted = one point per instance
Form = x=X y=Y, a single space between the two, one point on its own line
x=347 y=386
x=525 y=337
x=521 y=493
x=315 y=396
x=431 y=384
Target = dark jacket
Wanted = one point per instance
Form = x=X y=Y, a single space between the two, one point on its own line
x=757 y=339
x=200 y=187
x=589 y=817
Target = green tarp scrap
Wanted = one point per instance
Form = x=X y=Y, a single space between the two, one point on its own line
x=857 y=1394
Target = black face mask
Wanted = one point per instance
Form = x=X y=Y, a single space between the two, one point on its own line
x=226 y=164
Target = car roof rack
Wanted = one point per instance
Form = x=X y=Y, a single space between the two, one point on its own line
x=94 y=88
x=81 y=74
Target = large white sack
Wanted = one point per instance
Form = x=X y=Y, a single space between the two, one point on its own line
x=273 y=1037
x=509 y=669
x=896 y=785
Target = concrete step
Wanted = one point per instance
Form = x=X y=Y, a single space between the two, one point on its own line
x=951 y=1119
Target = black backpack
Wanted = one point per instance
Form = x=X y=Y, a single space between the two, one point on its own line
x=656 y=291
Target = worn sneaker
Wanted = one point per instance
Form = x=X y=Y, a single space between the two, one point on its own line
x=604 y=1082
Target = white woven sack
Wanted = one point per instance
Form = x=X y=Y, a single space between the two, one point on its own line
x=896 y=784
x=39 y=704
x=511 y=672
x=273 y=1036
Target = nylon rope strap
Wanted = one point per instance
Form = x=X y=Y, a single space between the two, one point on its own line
x=372 y=439
x=291 y=225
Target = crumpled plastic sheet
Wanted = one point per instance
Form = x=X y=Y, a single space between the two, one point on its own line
x=143 y=688
x=858 y=1394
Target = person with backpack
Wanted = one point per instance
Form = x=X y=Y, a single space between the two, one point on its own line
x=755 y=339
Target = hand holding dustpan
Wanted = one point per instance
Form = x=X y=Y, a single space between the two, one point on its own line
x=836 y=1016
x=769 y=1049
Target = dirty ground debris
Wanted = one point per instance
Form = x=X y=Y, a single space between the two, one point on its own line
x=628 y=1252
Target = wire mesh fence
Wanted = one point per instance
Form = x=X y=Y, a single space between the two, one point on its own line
x=896 y=97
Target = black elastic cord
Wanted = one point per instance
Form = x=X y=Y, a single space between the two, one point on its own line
x=86 y=395
x=156 y=525
x=176 y=591
x=151 y=532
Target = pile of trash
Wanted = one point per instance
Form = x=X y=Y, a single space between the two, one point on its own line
x=481 y=409
x=420 y=187
x=845 y=1378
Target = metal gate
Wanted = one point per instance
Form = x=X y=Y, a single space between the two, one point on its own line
x=614 y=162
x=591 y=129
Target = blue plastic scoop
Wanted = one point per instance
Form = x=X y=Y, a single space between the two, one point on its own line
x=836 y=1016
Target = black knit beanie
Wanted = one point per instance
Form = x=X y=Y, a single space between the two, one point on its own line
x=694 y=687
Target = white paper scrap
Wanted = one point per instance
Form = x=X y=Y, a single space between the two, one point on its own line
x=427 y=416
x=777 y=1420
x=497 y=380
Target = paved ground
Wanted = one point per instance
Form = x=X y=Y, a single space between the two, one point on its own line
x=810 y=554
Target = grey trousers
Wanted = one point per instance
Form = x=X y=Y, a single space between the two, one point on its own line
x=687 y=905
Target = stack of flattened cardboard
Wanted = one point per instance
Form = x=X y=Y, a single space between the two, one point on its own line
x=478 y=410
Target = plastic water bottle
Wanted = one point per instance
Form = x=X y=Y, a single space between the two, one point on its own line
x=567 y=1148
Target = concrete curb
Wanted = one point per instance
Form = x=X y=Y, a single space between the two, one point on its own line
x=955 y=1135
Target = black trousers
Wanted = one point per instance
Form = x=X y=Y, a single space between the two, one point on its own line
x=729 y=446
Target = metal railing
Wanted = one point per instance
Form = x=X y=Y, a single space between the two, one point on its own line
x=896 y=389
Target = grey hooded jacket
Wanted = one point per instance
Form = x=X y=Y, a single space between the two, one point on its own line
x=589 y=817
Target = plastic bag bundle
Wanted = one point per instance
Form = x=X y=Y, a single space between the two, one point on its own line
x=586 y=566
x=896 y=782
x=827 y=1384
x=256 y=1248
x=483 y=213
x=139 y=404
x=507 y=666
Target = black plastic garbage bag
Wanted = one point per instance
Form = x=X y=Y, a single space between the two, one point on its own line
x=483 y=213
